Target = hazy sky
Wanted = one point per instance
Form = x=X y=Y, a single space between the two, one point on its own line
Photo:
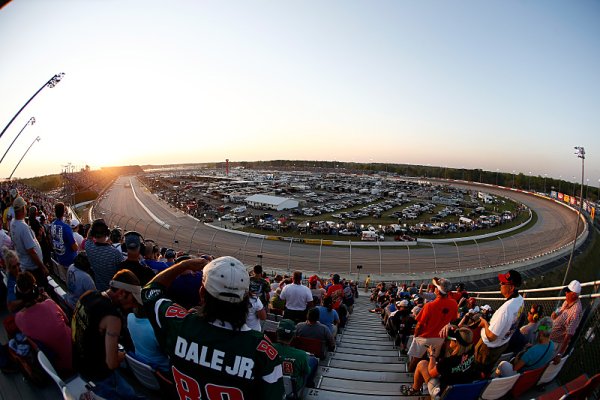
x=512 y=85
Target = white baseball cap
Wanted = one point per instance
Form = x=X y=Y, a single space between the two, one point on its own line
x=486 y=307
x=226 y=279
x=74 y=223
x=574 y=286
x=402 y=303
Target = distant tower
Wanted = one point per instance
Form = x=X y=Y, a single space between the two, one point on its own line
x=227 y=166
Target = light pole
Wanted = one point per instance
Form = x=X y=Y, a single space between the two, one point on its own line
x=30 y=122
x=513 y=185
x=530 y=181
x=51 y=83
x=37 y=139
x=580 y=152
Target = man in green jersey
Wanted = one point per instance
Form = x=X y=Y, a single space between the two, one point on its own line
x=296 y=363
x=214 y=355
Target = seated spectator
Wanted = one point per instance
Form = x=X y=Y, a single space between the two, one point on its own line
x=472 y=321
x=170 y=256
x=259 y=285
x=43 y=321
x=460 y=293
x=435 y=315
x=102 y=256
x=313 y=329
x=185 y=289
x=534 y=315
x=151 y=255
x=79 y=278
x=466 y=304
x=487 y=312
x=540 y=353
x=256 y=312
x=567 y=319
x=456 y=367
x=12 y=265
x=419 y=303
x=295 y=362
x=5 y=240
x=400 y=325
x=147 y=349
x=336 y=291
x=328 y=316
x=116 y=240
x=277 y=305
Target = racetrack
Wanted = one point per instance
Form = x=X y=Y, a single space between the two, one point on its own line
x=555 y=228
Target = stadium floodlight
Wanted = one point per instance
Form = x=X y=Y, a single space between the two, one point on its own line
x=37 y=139
x=30 y=122
x=52 y=82
x=580 y=153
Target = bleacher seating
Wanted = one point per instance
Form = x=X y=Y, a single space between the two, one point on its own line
x=552 y=370
x=467 y=391
x=498 y=387
x=526 y=381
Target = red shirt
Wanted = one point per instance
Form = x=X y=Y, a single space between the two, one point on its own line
x=435 y=315
x=336 y=292
x=457 y=295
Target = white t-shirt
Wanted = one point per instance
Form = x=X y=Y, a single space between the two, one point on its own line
x=78 y=238
x=252 y=321
x=504 y=322
x=296 y=297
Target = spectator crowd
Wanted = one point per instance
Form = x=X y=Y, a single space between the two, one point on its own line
x=201 y=322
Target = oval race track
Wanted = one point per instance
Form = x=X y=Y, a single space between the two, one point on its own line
x=555 y=228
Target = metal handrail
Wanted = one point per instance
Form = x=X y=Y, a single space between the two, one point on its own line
x=586 y=284
x=583 y=296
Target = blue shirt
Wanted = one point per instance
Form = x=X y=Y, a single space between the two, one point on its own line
x=540 y=354
x=78 y=282
x=62 y=242
x=157 y=266
x=147 y=349
x=327 y=317
x=11 y=282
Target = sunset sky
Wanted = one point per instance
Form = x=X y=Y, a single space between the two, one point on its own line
x=508 y=85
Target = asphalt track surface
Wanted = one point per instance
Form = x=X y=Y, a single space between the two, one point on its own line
x=555 y=228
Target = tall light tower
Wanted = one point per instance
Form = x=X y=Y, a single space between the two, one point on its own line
x=30 y=122
x=580 y=152
x=37 y=139
x=51 y=83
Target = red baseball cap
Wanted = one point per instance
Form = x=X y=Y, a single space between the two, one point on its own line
x=512 y=277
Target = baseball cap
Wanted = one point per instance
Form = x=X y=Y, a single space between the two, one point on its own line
x=14 y=192
x=74 y=223
x=226 y=279
x=486 y=307
x=574 y=286
x=115 y=235
x=132 y=240
x=402 y=303
x=443 y=285
x=19 y=203
x=119 y=282
x=99 y=228
x=170 y=253
x=512 y=277
x=286 y=329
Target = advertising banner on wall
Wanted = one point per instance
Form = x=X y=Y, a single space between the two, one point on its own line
x=574 y=201
x=560 y=196
x=593 y=213
x=567 y=198
x=553 y=194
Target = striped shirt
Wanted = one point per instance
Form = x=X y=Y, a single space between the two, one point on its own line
x=567 y=321
x=104 y=260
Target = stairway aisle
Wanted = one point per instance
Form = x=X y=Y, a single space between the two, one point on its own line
x=365 y=364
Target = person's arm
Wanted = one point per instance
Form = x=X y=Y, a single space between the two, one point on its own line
x=432 y=366
x=37 y=261
x=330 y=339
x=261 y=314
x=491 y=336
x=112 y=330
x=336 y=318
x=518 y=364
x=166 y=277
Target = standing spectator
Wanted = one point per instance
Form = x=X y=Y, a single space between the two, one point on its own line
x=430 y=321
x=242 y=362
x=400 y=324
x=170 y=256
x=460 y=293
x=259 y=285
x=367 y=283
x=63 y=242
x=496 y=334
x=26 y=245
x=336 y=291
x=276 y=305
x=103 y=258
x=133 y=243
x=43 y=321
x=297 y=299
x=296 y=363
x=79 y=279
x=97 y=325
x=567 y=319
x=317 y=292
x=256 y=313
x=313 y=329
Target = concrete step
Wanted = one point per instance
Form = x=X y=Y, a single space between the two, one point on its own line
x=373 y=376
x=322 y=394
x=371 y=346
x=366 y=352
x=360 y=340
x=366 y=366
x=366 y=359
x=381 y=335
x=361 y=387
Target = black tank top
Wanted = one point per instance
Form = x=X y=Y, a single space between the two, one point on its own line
x=89 y=349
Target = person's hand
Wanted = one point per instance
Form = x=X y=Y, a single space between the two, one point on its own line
x=483 y=323
x=444 y=331
x=196 y=264
x=553 y=315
